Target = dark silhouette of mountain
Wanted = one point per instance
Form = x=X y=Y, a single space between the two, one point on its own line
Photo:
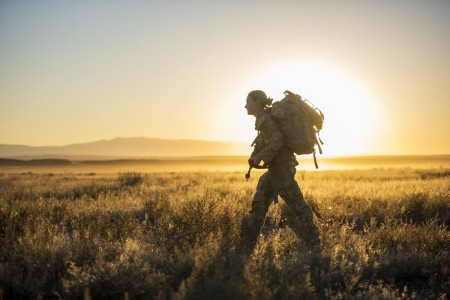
x=127 y=148
x=34 y=162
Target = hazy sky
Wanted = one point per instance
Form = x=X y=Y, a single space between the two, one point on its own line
x=78 y=71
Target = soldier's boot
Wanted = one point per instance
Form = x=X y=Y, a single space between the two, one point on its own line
x=305 y=228
x=309 y=232
x=253 y=230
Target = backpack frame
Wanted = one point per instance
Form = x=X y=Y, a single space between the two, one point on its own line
x=300 y=122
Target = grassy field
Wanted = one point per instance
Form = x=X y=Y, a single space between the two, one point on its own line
x=384 y=235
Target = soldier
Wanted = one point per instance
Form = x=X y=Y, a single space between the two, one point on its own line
x=279 y=179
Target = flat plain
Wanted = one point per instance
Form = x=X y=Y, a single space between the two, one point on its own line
x=177 y=235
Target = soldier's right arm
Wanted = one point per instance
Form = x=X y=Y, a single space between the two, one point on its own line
x=273 y=140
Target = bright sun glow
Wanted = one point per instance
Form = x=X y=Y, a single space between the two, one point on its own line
x=351 y=114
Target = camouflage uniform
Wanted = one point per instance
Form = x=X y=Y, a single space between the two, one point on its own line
x=278 y=180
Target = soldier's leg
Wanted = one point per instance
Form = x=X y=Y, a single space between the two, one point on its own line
x=260 y=204
x=305 y=217
x=289 y=190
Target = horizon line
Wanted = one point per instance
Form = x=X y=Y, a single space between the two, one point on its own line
x=225 y=156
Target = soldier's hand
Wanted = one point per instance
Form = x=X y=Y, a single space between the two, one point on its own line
x=254 y=161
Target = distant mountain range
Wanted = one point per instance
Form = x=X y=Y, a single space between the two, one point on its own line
x=127 y=148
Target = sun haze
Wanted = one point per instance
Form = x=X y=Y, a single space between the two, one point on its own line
x=82 y=71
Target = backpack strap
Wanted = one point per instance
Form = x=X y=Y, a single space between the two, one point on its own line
x=320 y=149
x=315 y=160
x=318 y=136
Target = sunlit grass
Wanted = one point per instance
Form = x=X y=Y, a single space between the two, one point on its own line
x=385 y=234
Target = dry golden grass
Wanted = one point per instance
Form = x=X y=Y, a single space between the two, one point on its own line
x=385 y=235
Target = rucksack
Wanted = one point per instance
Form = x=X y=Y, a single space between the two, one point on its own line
x=300 y=124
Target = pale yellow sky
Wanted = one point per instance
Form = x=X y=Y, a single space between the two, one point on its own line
x=83 y=71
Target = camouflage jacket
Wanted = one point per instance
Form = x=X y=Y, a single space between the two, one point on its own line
x=269 y=143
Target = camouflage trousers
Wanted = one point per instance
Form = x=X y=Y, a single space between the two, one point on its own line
x=279 y=180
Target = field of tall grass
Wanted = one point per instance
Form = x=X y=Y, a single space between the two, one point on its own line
x=384 y=235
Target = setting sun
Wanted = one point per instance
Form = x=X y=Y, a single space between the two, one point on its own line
x=352 y=117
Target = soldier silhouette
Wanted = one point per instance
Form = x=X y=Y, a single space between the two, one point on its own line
x=270 y=148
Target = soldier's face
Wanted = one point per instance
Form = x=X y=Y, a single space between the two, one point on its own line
x=251 y=106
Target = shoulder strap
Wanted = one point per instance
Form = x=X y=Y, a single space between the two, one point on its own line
x=261 y=120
